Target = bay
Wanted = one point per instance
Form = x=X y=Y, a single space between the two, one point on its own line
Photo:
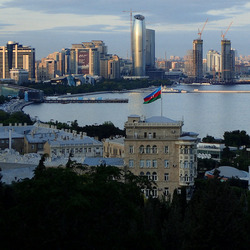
x=203 y=113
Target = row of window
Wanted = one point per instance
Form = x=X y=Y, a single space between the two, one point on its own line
x=186 y=150
x=154 y=176
x=148 y=149
x=186 y=178
x=187 y=164
x=148 y=163
x=154 y=192
x=72 y=150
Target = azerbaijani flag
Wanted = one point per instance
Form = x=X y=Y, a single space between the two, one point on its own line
x=153 y=96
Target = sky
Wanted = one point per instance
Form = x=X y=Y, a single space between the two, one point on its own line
x=50 y=25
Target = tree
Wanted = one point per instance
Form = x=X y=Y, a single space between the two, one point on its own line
x=63 y=209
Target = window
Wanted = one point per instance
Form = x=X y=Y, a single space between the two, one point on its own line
x=154 y=135
x=145 y=134
x=141 y=163
x=191 y=164
x=166 y=150
x=154 y=149
x=142 y=174
x=89 y=150
x=166 y=163
x=131 y=163
x=148 y=149
x=154 y=192
x=185 y=164
x=147 y=193
x=186 y=150
x=141 y=149
x=166 y=191
x=154 y=163
x=131 y=149
x=148 y=163
x=148 y=175
x=166 y=176
x=154 y=176
x=149 y=135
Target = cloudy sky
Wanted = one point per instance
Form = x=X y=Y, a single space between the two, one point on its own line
x=50 y=25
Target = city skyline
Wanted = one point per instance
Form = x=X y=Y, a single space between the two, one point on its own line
x=50 y=26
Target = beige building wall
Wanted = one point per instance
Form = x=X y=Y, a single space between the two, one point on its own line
x=154 y=148
x=113 y=148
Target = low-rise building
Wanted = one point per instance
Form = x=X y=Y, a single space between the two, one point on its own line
x=113 y=147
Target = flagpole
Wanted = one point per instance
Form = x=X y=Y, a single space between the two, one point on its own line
x=161 y=100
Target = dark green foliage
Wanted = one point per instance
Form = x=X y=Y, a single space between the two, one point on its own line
x=215 y=218
x=60 y=209
x=105 y=130
x=103 y=208
x=106 y=85
x=209 y=139
x=16 y=117
x=236 y=138
x=205 y=165
x=3 y=99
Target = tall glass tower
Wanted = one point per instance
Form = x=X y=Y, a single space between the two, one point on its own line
x=139 y=46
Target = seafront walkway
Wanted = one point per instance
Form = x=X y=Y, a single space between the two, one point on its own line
x=219 y=91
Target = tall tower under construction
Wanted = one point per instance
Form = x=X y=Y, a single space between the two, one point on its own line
x=227 y=61
x=198 y=59
x=139 y=46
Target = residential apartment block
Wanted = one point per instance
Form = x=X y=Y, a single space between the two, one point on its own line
x=16 y=56
x=158 y=149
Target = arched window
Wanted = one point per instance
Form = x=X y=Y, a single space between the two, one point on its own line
x=141 y=149
x=148 y=149
x=148 y=175
x=154 y=149
x=186 y=177
x=154 y=192
x=142 y=174
x=154 y=176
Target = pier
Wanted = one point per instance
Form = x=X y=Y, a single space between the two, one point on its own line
x=66 y=101
x=220 y=91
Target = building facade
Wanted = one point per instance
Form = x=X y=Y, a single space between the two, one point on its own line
x=150 y=49
x=158 y=149
x=15 y=55
x=139 y=46
x=113 y=148
x=213 y=61
x=198 y=59
x=227 y=62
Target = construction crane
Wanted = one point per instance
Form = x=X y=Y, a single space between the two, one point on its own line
x=200 y=32
x=223 y=35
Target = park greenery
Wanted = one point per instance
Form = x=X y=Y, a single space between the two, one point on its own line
x=105 y=130
x=15 y=117
x=78 y=207
x=104 y=85
x=239 y=158
x=3 y=99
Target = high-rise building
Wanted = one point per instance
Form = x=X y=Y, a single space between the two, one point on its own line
x=158 y=149
x=16 y=56
x=198 y=59
x=110 y=67
x=139 y=46
x=213 y=61
x=150 y=49
x=227 y=61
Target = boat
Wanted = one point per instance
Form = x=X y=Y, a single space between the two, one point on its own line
x=170 y=90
